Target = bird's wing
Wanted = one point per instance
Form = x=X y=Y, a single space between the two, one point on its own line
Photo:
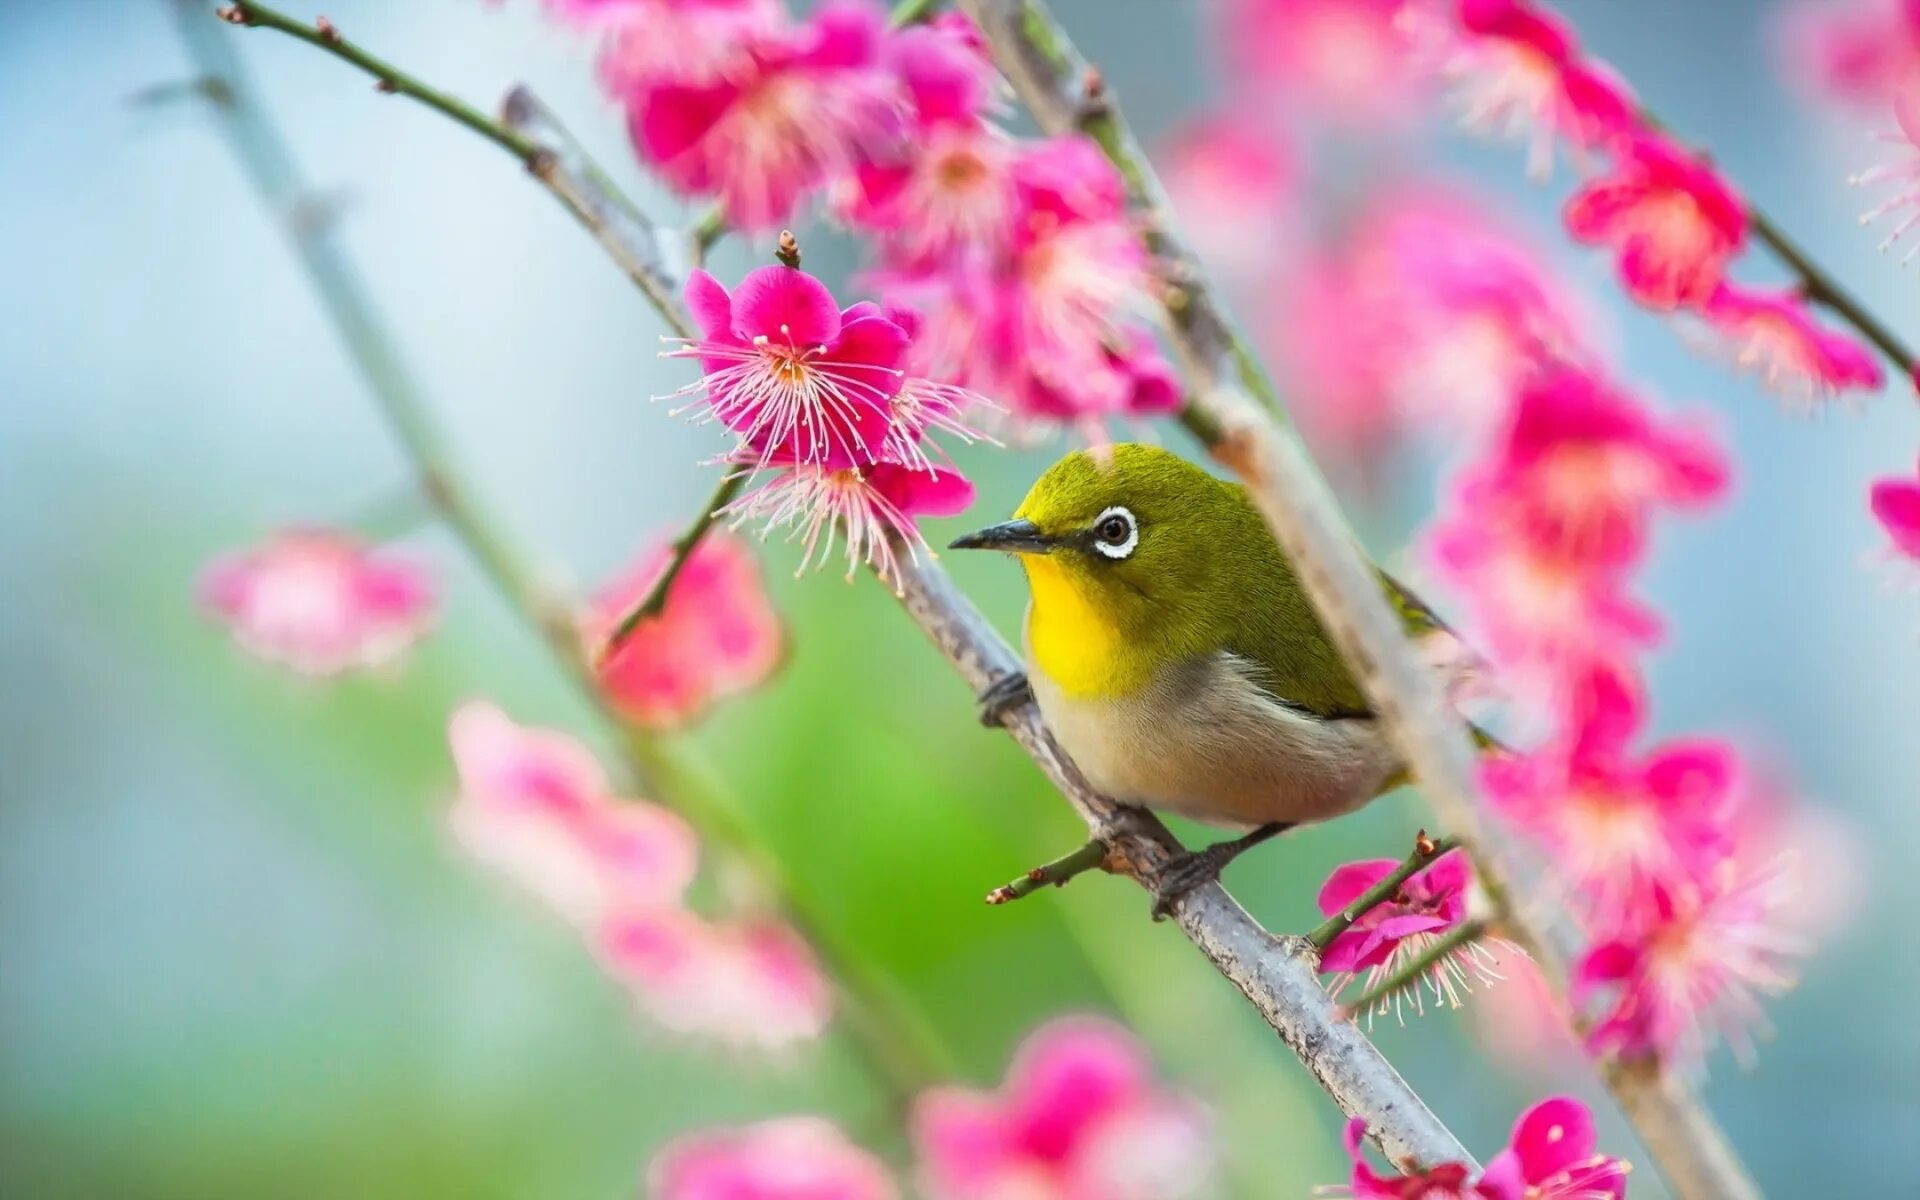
x=1339 y=696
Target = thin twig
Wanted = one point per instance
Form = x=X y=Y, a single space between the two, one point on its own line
x=1821 y=287
x=1090 y=857
x=322 y=33
x=682 y=549
x=1426 y=851
x=1411 y=971
x=1277 y=974
x=894 y=1043
x=1229 y=392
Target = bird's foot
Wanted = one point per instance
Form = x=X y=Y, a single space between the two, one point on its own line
x=1185 y=872
x=1002 y=696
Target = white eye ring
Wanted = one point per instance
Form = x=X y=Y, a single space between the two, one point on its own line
x=1120 y=549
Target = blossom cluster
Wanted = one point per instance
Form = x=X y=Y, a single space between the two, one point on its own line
x=1674 y=224
x=1022 y=272
x=535 y=805
x=1080 y=1117
x=1552 y=1155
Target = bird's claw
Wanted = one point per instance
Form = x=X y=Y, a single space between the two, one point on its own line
x=1002 y=696
x=1182 y=874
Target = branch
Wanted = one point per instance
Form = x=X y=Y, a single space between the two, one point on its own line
x=1822 y=288
x=1278 y=975
x=1425 y=852
x=682 y=549
x=1229 y=388
x=1090 y=857
x=892 y=1041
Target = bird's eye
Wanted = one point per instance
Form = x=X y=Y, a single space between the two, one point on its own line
x=1115 y=533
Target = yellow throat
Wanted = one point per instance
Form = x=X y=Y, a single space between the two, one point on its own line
x=1074 y=641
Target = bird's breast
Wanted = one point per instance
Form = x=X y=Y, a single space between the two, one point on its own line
x=1074 y=642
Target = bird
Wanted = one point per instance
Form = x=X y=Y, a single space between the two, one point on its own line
x=1176 y=658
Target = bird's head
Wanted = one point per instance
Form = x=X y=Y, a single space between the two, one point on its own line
x=1131 y=533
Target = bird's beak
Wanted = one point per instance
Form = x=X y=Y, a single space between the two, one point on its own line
x=1015 y=537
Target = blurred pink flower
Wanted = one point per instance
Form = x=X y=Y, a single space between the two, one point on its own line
x=1693 y=968
x=1622 y=829
x=1518 y=72
x=717 y=635
x=1552 y=1154
x=1538 y=616
x=1672 y=220
x=802 y=109
x=1854 y=51
x=1343 y=61
x=1232 y=185
x=749 y=983
x=654 y=43
x=1079 y=1118
x=1896 y=505
x=946 y=198
x=785 y=367
x=1776 y=335
x=1583 y=467
x=319 y=601
x=1390 y=935
x=1052 y=326
x=1903 y=171
x=535 y=806
x=789 y=1158
x=947 y=203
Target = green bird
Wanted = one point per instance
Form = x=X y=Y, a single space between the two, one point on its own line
x=1177 y=659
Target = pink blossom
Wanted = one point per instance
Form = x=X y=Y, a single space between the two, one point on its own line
x=789 y=1158
x=319 y=601
x=1854 y=51
x=716 y=636
x=796 y=376
x=1903 y=172
x=750 y=983
x=803 y=109
x=873 y=509
x=1672 y=220
x=1521 y=1022
x=1622 y=829
x=1344 y=61
x=1691 y=969
x=1232 y=185
x=1583 y=467
x=1551 y=1155
x=946 y=198
x=1080 y=1117
x=1518 y=72
x=1776 y=335
x=655 y=43
x=1389 y=935
x=536 y=806
x=1896 y=505
x=1539 y=616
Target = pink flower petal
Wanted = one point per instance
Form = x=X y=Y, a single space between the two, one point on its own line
x=780 y=303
